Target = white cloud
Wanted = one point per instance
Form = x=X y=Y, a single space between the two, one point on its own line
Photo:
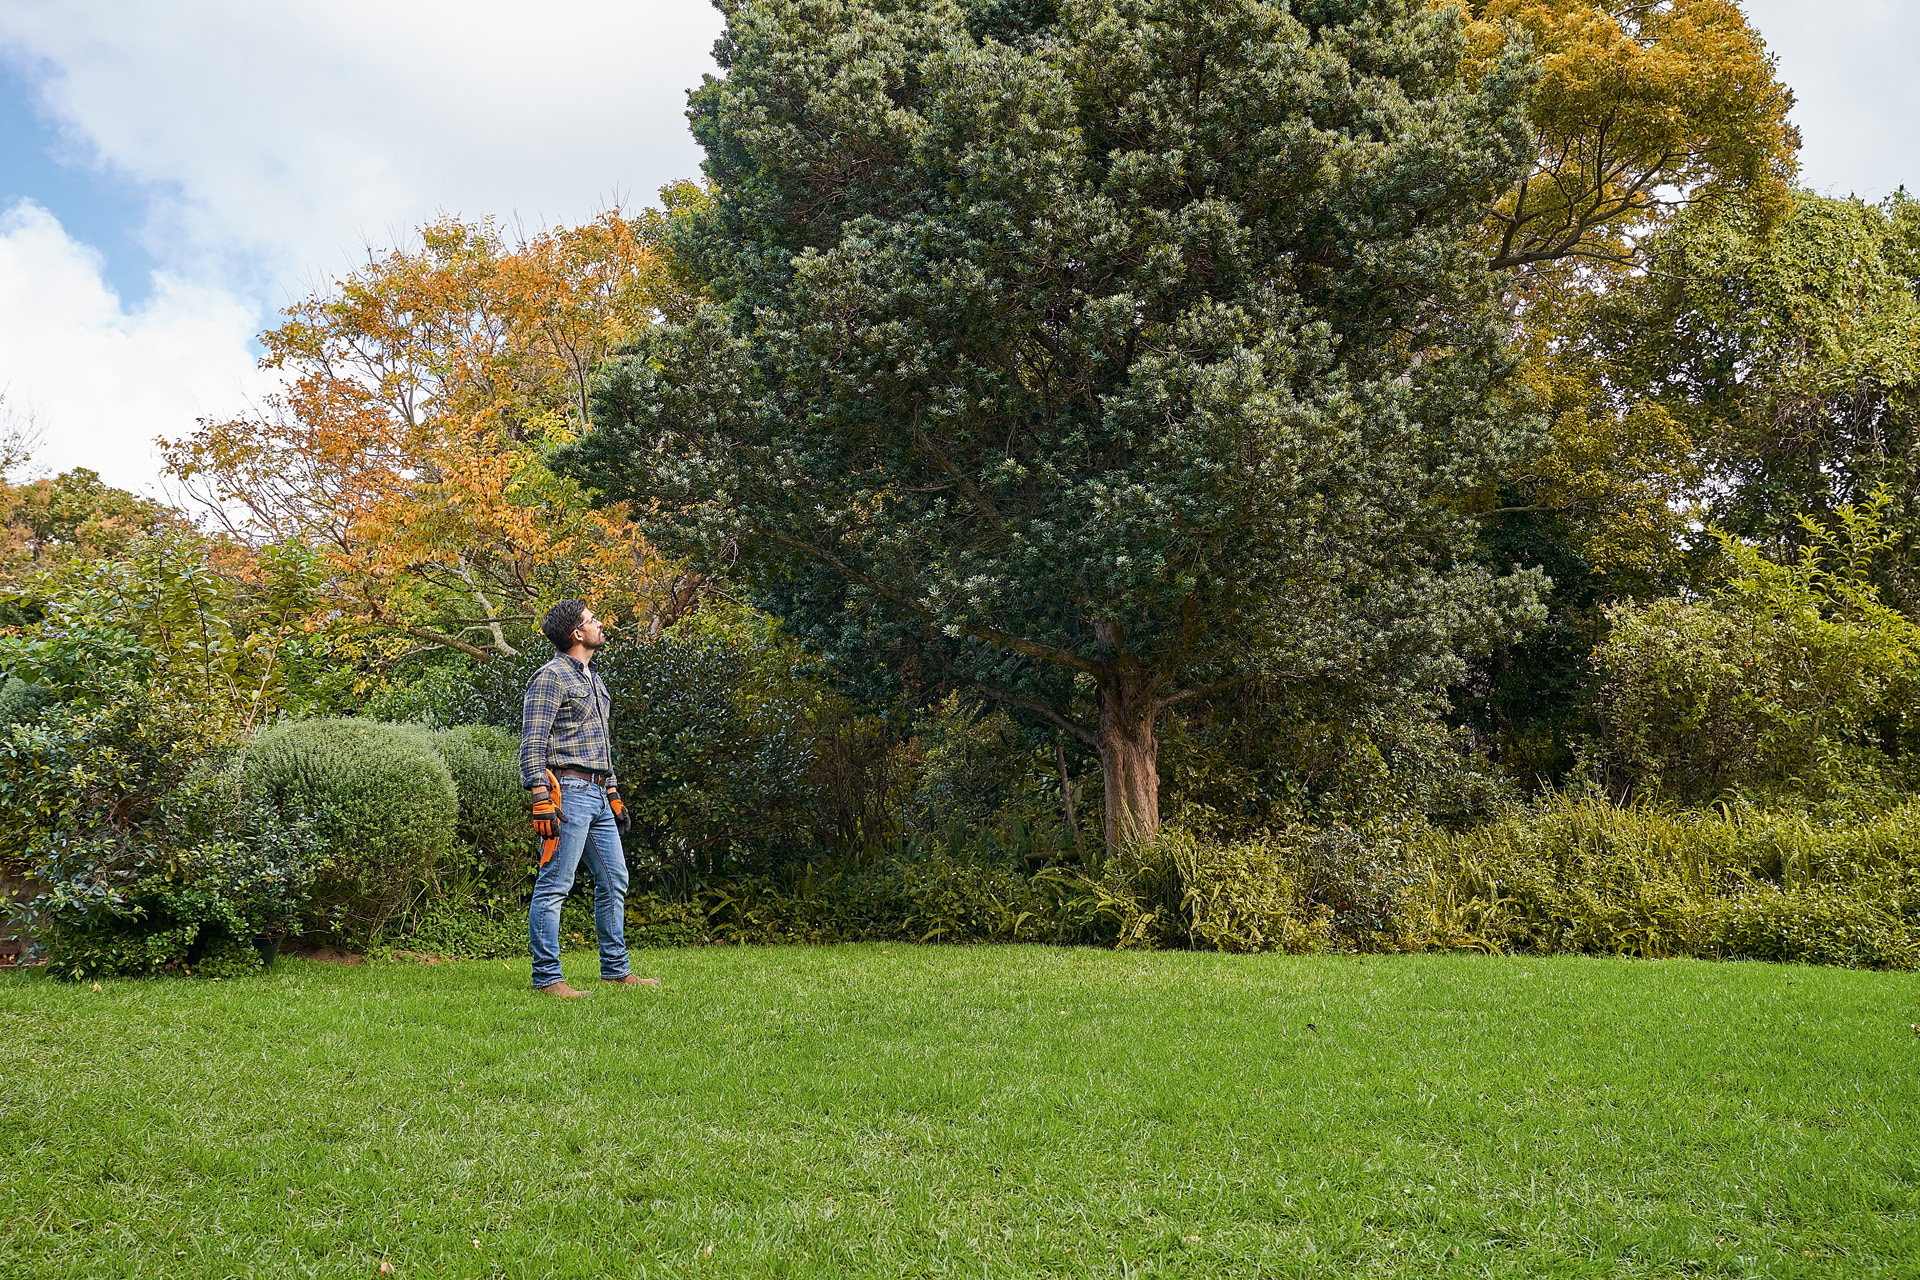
x=288 y=135
x=101 y=381
x=277 y=141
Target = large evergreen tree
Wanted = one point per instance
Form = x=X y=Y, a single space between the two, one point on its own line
x=1121 y=352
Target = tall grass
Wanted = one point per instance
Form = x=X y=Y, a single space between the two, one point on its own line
x=1580 y=874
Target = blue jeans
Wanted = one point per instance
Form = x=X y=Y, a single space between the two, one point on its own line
x=586 y=828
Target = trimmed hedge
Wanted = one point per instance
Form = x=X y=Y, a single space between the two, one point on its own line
x=381 y=797
x=485 y=763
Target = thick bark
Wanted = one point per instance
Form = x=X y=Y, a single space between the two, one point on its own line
x=1129 y=756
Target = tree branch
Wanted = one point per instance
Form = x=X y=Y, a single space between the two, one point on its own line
x=967 y=486
x=1202 y=691
x=448 y=642
x=1042 y=710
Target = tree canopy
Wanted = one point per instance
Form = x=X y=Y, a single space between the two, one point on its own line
x=1122 y=353
x=408 y=447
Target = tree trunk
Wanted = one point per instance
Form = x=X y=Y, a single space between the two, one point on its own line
x=1129 y=757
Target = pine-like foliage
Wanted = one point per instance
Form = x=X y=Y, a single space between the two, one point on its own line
x=1144 y=343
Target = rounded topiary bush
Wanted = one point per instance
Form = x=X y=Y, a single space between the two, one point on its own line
x=21 y=702
x=485 y=762
x=381 y=798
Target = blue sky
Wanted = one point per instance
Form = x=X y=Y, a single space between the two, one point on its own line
x=173 y=172
x=96 y=208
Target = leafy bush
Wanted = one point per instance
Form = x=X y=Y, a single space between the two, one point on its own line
x=1582 y=874
x=1235 y=766
x=1181 y=891
x=976 y=764
x=653 y=922
x=380 y=795
x=22 y=702
x=1579 y=875
x=1773 y=686
x=1815 y=926
x=732 y=756
x=1365 y=882
x=203 y=908
x=466 y=930
x=484 y=761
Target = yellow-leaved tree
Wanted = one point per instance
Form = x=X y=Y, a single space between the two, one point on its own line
x=1641 y=106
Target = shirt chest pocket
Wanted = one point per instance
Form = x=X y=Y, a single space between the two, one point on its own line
x=579 y=706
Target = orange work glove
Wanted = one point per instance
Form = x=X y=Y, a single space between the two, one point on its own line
x=546 y=816
x=621 y=818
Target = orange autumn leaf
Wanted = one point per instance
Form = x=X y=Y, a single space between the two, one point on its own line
x=408 y=442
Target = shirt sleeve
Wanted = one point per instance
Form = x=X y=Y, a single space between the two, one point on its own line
x=536 y=724
x=613 y=779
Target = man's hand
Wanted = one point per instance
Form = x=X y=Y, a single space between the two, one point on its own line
x=546 y=818
x=621 y=818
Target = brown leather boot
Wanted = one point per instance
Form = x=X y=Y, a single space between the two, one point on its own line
x=558 y=989
x=631 y=981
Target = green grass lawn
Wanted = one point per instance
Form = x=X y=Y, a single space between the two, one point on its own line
x=999 y=1112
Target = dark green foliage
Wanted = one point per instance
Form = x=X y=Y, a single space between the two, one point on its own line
x=1111 y=353
x=932 y=897
x=452 y=928
x=730 y=752
x=381 y=797
x=975 y=764
x=484 y=761
x=1242 y=763
x=198 y=894
x=653 y=922
x=22 y=702
x=79 y=770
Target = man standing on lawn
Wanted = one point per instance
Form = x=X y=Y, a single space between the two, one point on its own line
x=566 y=742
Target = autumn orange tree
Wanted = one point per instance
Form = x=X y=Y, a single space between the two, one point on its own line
x=408 y=443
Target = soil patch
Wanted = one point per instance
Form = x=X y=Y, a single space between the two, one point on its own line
x=329 y=955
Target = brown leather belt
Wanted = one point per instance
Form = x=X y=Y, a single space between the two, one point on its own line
x=588 y=774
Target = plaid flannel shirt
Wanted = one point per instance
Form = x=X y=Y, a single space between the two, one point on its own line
x=565 y=722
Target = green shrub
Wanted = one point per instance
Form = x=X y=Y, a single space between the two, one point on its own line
x=976 y=764
x=484 y=761
x=1815 y=926
x=1771 y=687
x=653 y=923
x=1582 y=874
x=454 y=929
x=22 y=702
x=1365 y=881
x=381 y=797
x=1178 y=890
x=117 y=908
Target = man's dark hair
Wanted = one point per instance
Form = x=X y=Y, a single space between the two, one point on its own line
x=562 y=621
